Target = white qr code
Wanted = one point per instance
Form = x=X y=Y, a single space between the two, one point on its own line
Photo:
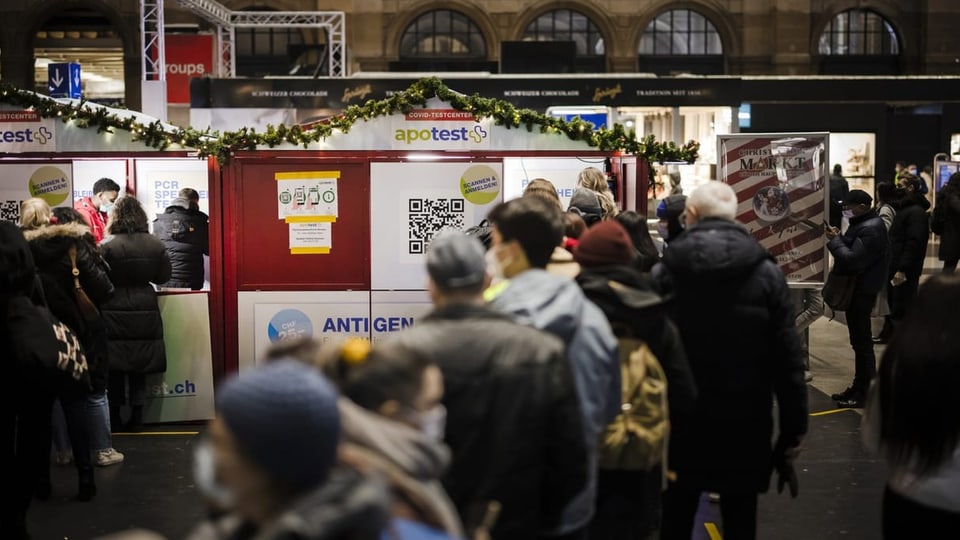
x=10 y=210
x=427 y=217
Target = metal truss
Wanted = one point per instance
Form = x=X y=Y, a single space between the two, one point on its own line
x=153 y=62
x=226 y=21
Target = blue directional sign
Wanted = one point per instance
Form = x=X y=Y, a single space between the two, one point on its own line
x=64 y=80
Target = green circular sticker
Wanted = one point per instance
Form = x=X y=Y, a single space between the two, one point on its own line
x=50 y=184
x=480 y=184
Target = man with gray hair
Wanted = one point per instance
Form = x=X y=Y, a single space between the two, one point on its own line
x=736 y=319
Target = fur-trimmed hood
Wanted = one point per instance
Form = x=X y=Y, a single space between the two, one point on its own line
x=51 y=242
x=72 y=230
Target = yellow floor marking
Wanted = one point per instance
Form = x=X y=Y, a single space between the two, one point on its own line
x=159 y=433
x=713 y=531
x=831 y=411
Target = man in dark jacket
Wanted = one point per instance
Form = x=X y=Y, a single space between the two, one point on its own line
x=513 y=421
x=862 y=251
x=629 y=501
x=838 y=192
x=184 y=231
x=736 y=320
x=908 y=236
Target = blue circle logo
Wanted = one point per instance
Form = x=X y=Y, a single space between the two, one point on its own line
x=289 y=324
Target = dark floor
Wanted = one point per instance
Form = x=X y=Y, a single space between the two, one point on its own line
x=840 y=489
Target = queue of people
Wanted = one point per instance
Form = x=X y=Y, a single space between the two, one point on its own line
x=558 y=389
x=91 y=270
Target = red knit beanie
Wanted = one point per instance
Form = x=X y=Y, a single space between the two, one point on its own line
x=605 y=244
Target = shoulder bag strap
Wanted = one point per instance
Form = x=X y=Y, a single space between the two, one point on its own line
x=73 y=262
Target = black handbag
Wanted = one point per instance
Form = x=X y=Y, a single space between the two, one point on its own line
x=45 y=347
x=838 y=291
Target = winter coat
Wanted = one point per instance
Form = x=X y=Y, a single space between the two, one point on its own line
x=50 y=246
x=513 y=419
x=184 y=233
x=134 y=326
x=635 y=310
x=411 y=462
x=349 y=505
x=908 y=237
x=736 y=319
x=839 y=188
x=95 y=219
x=562 y=263
x=557 y=305
x=863 y=251
x=950 y=239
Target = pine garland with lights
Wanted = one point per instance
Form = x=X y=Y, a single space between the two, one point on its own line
x=224 y=145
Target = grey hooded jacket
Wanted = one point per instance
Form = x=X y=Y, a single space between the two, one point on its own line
x=557 y=305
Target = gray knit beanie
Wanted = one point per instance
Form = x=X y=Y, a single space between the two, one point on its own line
x=284 y=417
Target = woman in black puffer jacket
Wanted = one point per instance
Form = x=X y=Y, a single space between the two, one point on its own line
x=134 y=328
x=50 y=244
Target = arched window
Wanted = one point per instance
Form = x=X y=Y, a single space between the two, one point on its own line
x=443 y=33
x=859 y=32
x=680 y=32
x=567 y=25
x=859 y=42
x=681 y=40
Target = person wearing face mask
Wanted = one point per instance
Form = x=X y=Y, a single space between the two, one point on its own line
x=725 y=285
x=393 y=422
x=525 y=233
x=268 y=465
x=908 y=234
x=513 y=421
x=862 y=251
x=95 y=209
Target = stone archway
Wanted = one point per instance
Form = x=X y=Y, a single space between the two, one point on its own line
x=86 y=26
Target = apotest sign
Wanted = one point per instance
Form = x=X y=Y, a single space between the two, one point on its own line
x=25 y=131
x=440 y=129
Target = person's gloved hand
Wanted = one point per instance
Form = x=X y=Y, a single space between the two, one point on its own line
x=783 y=458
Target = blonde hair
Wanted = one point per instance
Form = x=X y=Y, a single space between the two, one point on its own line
x=593 y=179
x=541 y=187
x=35 y=213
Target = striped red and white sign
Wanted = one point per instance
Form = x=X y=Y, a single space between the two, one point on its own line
x=781 y=183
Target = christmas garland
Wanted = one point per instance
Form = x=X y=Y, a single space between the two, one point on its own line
x=223 y=145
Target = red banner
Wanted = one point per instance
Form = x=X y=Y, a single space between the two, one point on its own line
x=188 y=56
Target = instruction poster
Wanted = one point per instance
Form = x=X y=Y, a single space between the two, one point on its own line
x=307 y=196
x=50 y=181
x=311 y=238
x=781 y=181
x=412 y=202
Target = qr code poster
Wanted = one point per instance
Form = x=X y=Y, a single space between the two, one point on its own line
x=52 y=182
x=410 y=203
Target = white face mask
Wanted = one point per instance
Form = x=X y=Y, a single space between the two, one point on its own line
x=664 y=230
x=204 y=474
x=495 y=267
x=106 y=207
x=848 y=214
x=432 y=422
